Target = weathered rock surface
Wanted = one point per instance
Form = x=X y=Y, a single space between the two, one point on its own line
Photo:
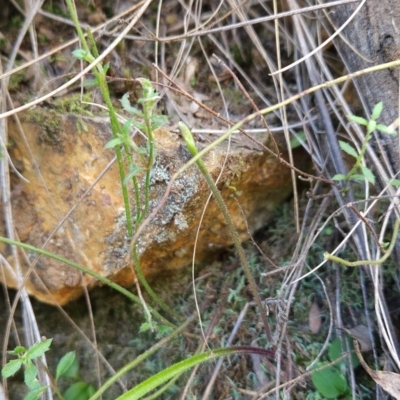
x=69 y=158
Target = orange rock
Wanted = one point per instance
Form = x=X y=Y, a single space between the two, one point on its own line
x=69 y=158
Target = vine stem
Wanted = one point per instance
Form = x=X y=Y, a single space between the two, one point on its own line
x=359 y=263
x=188 y=137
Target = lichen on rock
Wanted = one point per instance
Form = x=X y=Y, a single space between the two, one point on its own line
x=75 y=203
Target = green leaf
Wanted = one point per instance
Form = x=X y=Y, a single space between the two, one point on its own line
x=329 y=381
x=73 y=371
x=145 y=327
x=339 y=177
x=163 y=330
x=11 y=368
x=358 y=177
x=357 y=120
x=64 y=364
x=186 y=133
x=80 y=54
x=140 y=126
x=369 y=176
x=30 y=375
x=35 y=393
x=297 y=140
x=371 y=126
x=126 y=105
x=394 y=182
x=158 y=120
x=335 y=351
x=376 y=112
x=79 y=391
x=386 y=129
x=90 y=83
x=127 y=127
x=155 y=380
x=38 y=349
x=133 y=171
x=148 y=92
x=113 y=143
x=349 y=149
x=18 y=350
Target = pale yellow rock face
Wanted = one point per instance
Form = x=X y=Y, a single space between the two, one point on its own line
x=69 y=158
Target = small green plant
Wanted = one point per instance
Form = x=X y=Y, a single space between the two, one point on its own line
x=68 y=367
x=123 y=145
x=331 y=381
x=25 y=359
x=146 y=122
x=191 y=145
x=360 y=172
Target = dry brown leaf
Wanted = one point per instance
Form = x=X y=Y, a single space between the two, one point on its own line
x=314 y=318
x=389 y=381
x=361 y=334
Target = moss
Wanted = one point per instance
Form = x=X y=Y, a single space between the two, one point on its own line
x=50 y=119
x=73 y=104
x=15 y=80
x=49 y=122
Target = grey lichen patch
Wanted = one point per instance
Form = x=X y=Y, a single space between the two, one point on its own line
x=180 y=222
x=118 y=244
x=159 y=173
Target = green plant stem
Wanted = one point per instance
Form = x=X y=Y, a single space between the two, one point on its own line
x=100 y=76
x=360 y=156
x=85 y=270
x=139 y=216
x=389 y=250
x=159 y=392
x=188 y=137
x=151 y=156
x=141 y=358
x=148 y=288
x=156 y=380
